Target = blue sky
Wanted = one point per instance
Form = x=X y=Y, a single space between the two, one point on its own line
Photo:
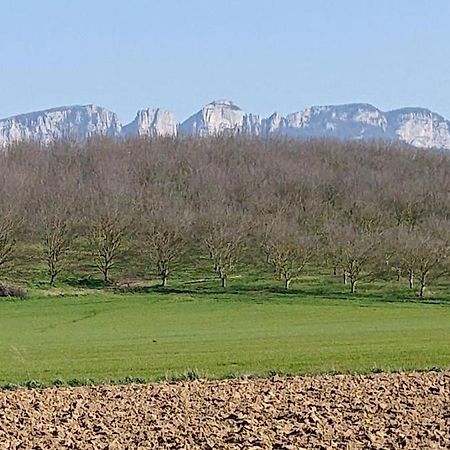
x=264 y=55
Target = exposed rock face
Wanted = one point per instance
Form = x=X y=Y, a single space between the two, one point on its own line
x=415 y=126
x=252 y=124
x=218 y=117
x=152 y=122
x=419 y=127
x=356 y=121
x=275 y=124
x=71 y=122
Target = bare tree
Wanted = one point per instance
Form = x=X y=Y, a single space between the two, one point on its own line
x=424 y=253
x=354 y=250
x=403 y=256
x=106 y=239
x=224 y=234
x=166 y=244
x=429 y=262
x=56 y=238
x=288 y=248
x=167 y=222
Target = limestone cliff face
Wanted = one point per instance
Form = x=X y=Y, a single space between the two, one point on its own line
x=70 y=122
x=152 y=122
x=420 y=127
x=218 y=117
x=415 y=126
x=355 y=121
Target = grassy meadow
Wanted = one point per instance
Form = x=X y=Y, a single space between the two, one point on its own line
x=80 y=330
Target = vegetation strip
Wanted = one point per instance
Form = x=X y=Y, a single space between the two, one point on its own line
x=139 y=207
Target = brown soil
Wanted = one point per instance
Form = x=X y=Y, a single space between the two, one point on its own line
x=397 y=411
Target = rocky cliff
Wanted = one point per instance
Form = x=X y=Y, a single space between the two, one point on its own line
x=415 y=126
x=152 y=122
x=68 y=122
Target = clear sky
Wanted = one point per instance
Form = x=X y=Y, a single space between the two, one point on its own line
x=264 y=55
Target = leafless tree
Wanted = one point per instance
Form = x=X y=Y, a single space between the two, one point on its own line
x=354 y=250
x=404 y=256
x=421 y=252
x=56 y=238
x=224 y=234
x=288 y=248
x=165 y=246
x=165 y=230
x=425 y=254
x=106 y=240
x=430 y=258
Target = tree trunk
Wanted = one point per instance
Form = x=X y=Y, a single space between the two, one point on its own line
x=164 y=279
x=411 y=279
x=105 y=276
x=223 y=281
x=52 y=279
x=334 y=270
x=287 y=282
x=352 y=285
x=422 y=285
x=399 y=273
x=344 y=277
x=422 y=289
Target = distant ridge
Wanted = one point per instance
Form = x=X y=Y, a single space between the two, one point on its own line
x=415 y=126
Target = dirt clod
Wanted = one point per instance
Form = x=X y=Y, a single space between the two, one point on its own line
x=382 y=411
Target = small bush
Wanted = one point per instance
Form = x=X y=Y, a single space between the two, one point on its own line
x=12 y=291
x=33 y=384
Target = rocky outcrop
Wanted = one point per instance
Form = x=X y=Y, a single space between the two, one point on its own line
x=152 y=122
x=65 y=123
x=419 y=127
x=414 y=126
x=355 y=121
x=218 y=117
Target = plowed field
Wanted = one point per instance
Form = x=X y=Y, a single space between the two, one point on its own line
x=383 y=411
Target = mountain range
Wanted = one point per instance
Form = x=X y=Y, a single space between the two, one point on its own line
x=419 y=127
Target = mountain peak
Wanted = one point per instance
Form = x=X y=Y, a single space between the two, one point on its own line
x=152 y=122
x=217 y=117
x=222 y=102
x=415 y=126
x=77 y=122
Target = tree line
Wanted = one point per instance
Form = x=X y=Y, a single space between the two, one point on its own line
x=358 y=208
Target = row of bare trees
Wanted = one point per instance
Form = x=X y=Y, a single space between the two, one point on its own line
x=361 y=209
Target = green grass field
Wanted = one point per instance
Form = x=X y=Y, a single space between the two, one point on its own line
x=251 y=328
